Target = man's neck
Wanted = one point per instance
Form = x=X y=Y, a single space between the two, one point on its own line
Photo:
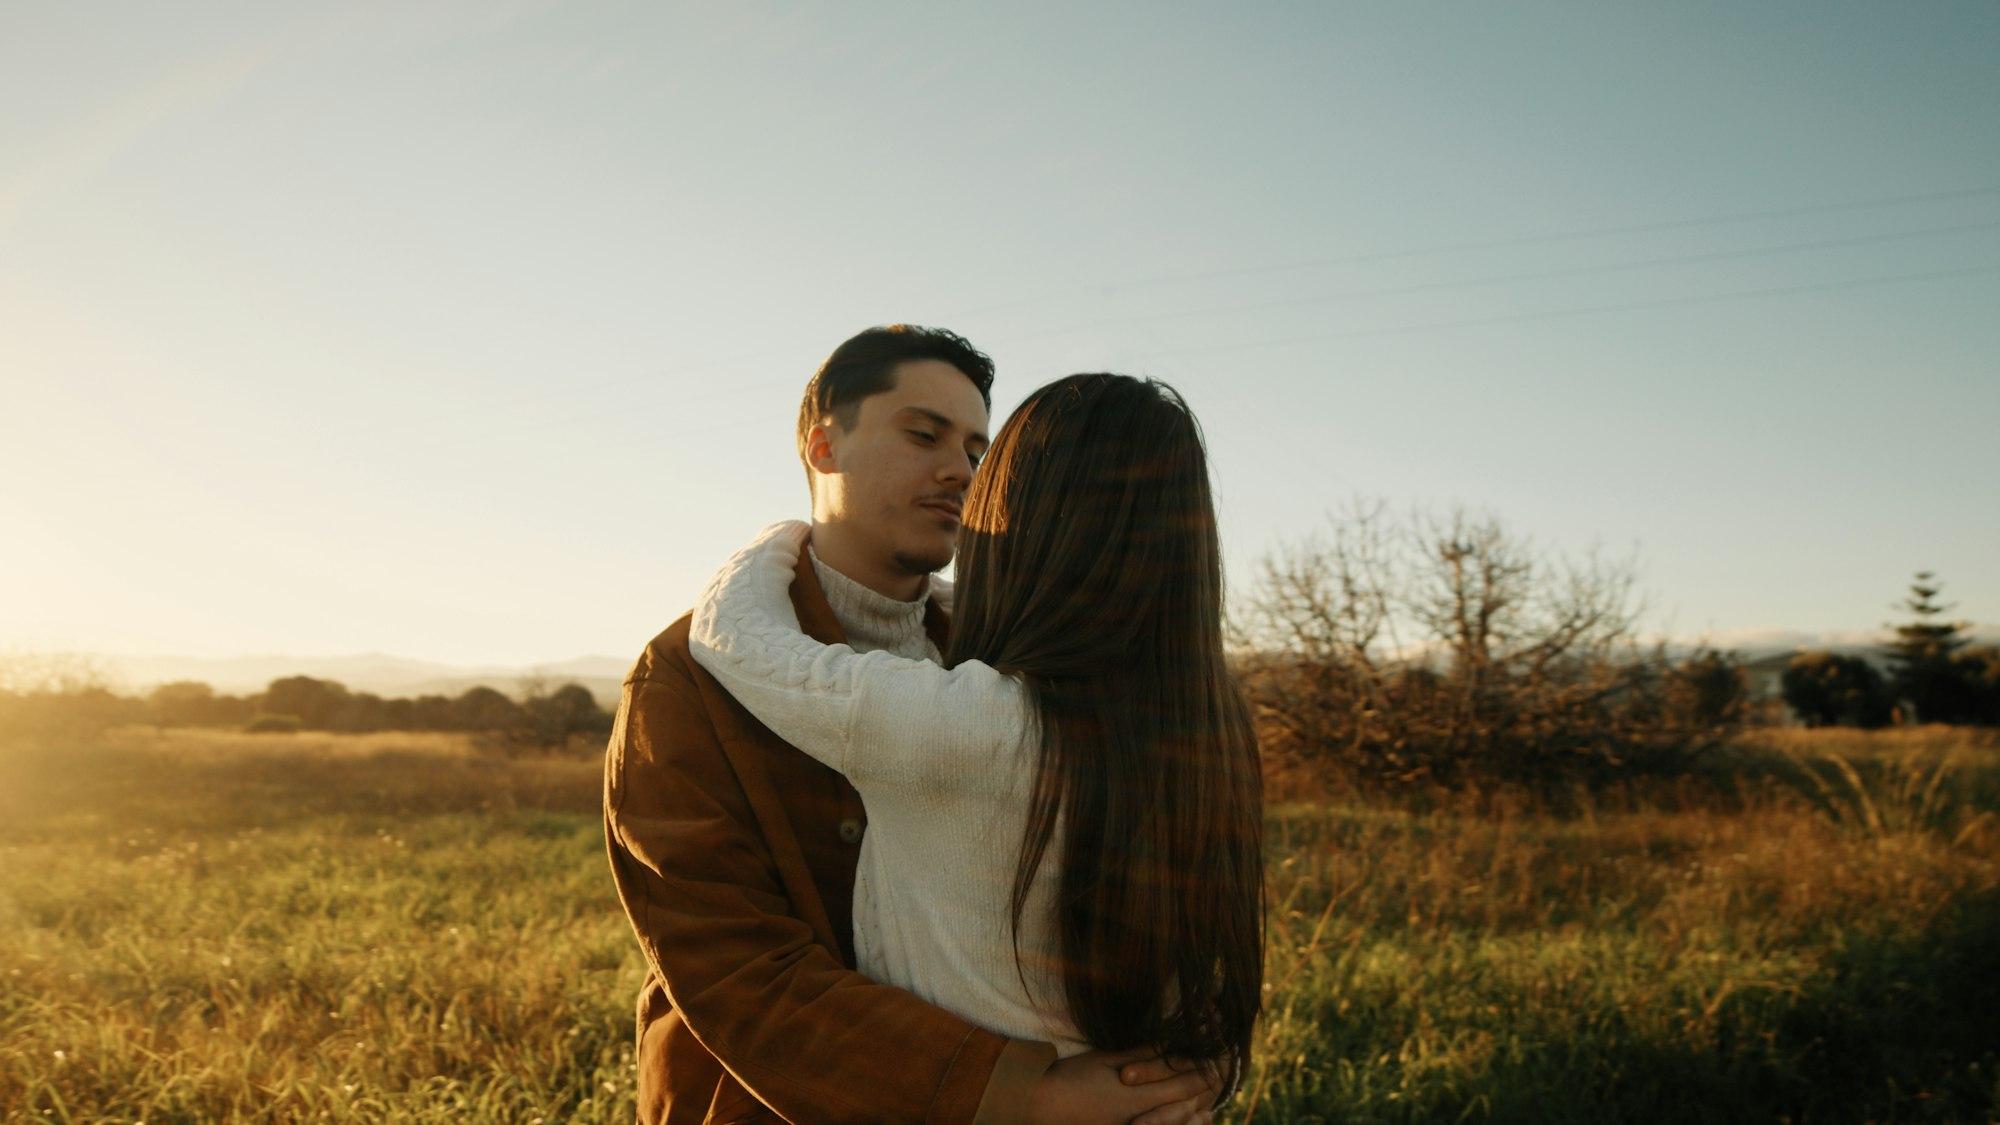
x=839 y=548
x=869 y=621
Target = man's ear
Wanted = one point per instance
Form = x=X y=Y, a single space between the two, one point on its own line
x=819 y=449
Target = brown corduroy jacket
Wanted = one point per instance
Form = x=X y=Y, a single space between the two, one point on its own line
x=734 y=855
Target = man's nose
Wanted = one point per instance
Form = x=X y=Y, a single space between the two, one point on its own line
x=956 y=468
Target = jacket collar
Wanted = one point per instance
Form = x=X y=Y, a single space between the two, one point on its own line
x=816 y=617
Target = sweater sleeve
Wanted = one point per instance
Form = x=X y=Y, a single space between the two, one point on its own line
x=876 y=717
x=746 y=978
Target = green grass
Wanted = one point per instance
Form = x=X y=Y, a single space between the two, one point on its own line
x=198 y=926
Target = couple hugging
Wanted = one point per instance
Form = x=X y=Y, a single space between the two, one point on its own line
x=903 y=851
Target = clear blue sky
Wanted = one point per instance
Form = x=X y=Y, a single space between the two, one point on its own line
x=474 y=330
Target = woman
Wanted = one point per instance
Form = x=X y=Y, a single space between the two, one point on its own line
x=1065 y=825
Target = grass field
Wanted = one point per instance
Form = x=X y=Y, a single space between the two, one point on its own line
x=198 y=926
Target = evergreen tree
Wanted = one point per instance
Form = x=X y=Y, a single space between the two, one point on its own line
x=1922 y=670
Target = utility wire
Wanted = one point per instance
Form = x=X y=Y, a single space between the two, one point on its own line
x=732 y=387
x=572 y=390
x=1549 y=314
x=723 y=422
x=1543 y=275
x=1560 y=236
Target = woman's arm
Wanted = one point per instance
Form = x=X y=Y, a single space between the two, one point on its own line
x=874 y=716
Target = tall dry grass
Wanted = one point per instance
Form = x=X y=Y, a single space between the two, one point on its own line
x=1811 y=932
x=198 y=927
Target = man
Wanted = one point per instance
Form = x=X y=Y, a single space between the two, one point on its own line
x=734 y=853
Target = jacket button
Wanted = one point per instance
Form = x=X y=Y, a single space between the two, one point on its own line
x=850 y=831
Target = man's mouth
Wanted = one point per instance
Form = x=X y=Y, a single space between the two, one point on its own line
x=947 y=508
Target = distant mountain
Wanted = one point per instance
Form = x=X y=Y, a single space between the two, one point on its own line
x=393 y=676
x=593 y=667
x=381 y=674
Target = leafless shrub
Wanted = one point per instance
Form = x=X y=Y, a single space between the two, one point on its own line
x=58 y=698
x=1438 y=650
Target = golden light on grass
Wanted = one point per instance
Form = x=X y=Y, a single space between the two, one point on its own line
x=197 y=925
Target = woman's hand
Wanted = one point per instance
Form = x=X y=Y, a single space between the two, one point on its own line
x=1114 y=1088
x=1153 y=1070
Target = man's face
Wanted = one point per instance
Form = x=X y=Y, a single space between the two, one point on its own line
x=898 y=476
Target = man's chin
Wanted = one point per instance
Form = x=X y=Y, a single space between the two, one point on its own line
x=922 y=562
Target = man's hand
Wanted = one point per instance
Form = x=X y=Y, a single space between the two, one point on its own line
x=1113 y=1088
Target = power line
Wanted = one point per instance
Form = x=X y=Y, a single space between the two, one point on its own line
x=1560 y=236
x=725 y=423
x=1541 y=275
x=1632 y=306
x=731 y=390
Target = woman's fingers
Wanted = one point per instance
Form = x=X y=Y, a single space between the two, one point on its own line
x=1130 y=1055
x=1152 y=1069
x=1173 y=1113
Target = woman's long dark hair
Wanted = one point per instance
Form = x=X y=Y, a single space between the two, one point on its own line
x=1089 y=564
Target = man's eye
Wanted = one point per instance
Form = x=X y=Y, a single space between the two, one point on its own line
x=922 y=436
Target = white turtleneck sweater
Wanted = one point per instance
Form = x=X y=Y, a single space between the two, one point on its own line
x=876 y=622
x=944 y=761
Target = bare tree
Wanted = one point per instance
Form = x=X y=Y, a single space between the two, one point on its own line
x=1428 y=648
x=60 y=697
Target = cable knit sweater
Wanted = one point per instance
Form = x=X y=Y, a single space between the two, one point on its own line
x=876 y=621
x=944 y=761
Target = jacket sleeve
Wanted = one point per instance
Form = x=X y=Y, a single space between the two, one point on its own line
x=809 y=1037
x=875 y=717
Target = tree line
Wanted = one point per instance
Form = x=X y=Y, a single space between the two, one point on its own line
x=1935 y=674
x=1392 y=650
x=1400 y=650
x=544 y=717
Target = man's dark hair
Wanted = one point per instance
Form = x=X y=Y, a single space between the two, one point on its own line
x=866 y=365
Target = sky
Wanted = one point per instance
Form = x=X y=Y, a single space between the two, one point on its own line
x=474 y=331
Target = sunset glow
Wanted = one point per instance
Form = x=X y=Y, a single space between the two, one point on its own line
x=475 y=333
